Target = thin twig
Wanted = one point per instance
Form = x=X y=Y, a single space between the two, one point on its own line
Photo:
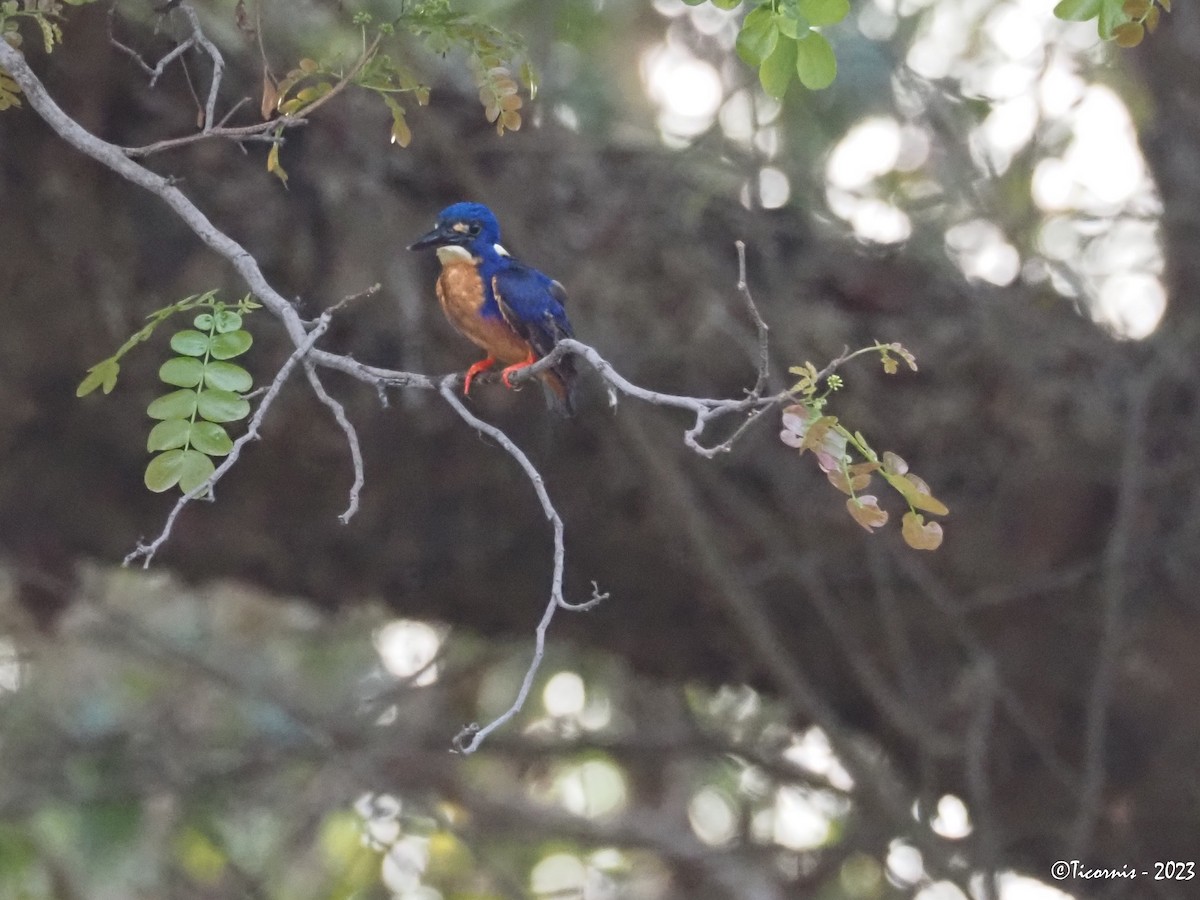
x=218 y=63
x=476 y=733
x=146 y=552
x=155 y=72
x=356 y=458
x=760 y=327
x=261 y=131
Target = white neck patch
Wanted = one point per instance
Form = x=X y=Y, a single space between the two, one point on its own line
x=500 y=250
x=452 y=253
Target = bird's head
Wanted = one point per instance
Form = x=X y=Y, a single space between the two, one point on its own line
x=471 y=226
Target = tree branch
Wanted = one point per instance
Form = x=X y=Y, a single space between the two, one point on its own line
x=474 y=732
x=705 y=410
x=146 y=552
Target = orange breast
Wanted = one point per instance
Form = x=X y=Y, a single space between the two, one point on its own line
x=460 y=291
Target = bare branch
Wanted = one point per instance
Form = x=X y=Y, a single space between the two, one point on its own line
x=339 y=413
x=155 y=72
x=263 y=132
x=705 y=410
x=218 y=62
x=764 y=352
x=470 y=737
x=146 y=552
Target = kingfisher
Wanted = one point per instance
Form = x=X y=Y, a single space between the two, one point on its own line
x=513 y=312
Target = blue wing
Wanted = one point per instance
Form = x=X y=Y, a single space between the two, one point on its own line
x=532 y=304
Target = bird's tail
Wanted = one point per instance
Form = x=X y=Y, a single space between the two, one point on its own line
x=559 y=384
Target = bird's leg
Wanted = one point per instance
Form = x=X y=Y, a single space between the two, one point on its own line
x=482 y=366
x=524 y=364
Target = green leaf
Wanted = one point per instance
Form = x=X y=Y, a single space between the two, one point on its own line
x=693 y=2
x=164 y=470
x=182 y=371
x=1078 y=10
x=227 y=320
x=204 y=321
x=776 y=70
x=211 y=438
x=175 y=405
x=401 y=133
x=194 y=469
x=1112 y=14
x=47 y=33
x=726 y=4
x=917 y=493
x=824 y=12
x=791 y=23
x=227 y=376
x=230 y=344
x=758 y=36
x=815 y=62
x=190 y=343
x=169 y=434
x=222 y=406
x=273 y=164
x=102 y=375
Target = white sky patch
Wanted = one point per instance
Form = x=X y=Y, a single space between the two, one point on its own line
x=880 y=222
x=713 y=817
x=983 y=253
x=1060 y=88
x=737 y=117
x=1102 y=168
x=591 y=789
x=799 y=824
x=869 y=149
x=1009 y=127
x=687 y=90
x=564 y=694
x=560 y=874
x=940 y=890
x=876 y=23
x=951 y=819
x=1022 y=887
x=812 y=750
x=1133 y=304
x=1016 y=31
x=905 y=865
x=872 y=148
x=406 y=647
x=774 y=189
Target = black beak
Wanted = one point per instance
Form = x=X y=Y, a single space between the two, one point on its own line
x=439 y=237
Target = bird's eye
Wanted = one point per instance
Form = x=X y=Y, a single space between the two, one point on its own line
x=474 y=228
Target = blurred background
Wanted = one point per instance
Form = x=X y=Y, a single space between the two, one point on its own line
x=772 y=703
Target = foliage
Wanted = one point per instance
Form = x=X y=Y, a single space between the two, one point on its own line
x=46 y=14
x=210 y=390
x=779 y=38
x=1123 y=21
x=808 y=427
x=492 y=54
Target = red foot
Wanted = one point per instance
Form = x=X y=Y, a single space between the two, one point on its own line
x=482 y=366
x=526 y=363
